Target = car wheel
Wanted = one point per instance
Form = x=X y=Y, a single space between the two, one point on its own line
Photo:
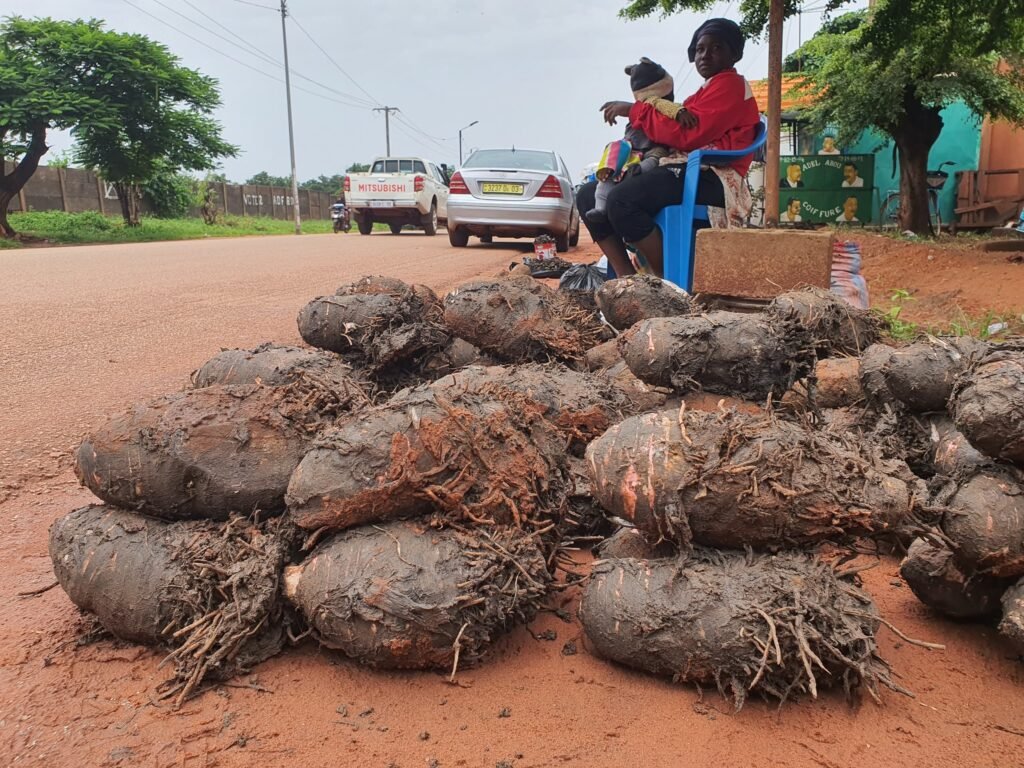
x=487 y=239
x=396 y=229
x=365 y=225
x=562 y=242
x=430 y=220
x=574 y=238
x=458 y=237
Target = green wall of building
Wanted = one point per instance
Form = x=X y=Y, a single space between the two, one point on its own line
x=960 y=142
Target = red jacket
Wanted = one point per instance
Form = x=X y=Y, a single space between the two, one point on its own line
x=726 y=113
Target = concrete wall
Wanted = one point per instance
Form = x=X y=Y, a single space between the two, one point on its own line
x=75 y=190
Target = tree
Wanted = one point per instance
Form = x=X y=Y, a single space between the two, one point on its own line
x=164 y=122
x=41 y=64
x=330 y=185
x=129 y=105
x=357 y=168
x=901 y=64
x=797 y=61
x=754 y=12
x=264 y=179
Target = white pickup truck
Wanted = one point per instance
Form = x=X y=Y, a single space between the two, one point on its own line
x=398 y=191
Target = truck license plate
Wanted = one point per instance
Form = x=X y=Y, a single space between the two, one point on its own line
x=493 y=188
x=382 y=203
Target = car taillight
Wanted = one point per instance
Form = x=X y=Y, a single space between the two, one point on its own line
x=348 y=184
x=417 y=184
x=550 y=188
x=458 y=185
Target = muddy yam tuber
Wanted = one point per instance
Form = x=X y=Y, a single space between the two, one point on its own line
x=733 y=480
x=768 y=625
x=403 y=595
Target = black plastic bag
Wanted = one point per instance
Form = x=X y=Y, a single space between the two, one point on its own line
x=539 y=268
x=582 y=277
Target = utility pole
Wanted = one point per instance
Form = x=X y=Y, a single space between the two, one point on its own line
x=387 y=125
x=291 y=130
x=460 y=139
x=771 y=169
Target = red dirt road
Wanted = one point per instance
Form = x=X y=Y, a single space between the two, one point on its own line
x=87 y=331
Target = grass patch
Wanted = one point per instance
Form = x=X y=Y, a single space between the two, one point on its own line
x=93 y=227
x=899 y=329
x=989 y=325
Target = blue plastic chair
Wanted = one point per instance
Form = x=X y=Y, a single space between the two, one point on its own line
x=678 y=232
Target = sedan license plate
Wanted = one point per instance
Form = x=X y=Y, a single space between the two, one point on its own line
x=494 y=188
x=382 y=203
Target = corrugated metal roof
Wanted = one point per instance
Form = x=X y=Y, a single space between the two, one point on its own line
x=791 y=101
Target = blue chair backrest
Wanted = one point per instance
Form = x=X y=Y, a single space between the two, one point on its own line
x=676 y=222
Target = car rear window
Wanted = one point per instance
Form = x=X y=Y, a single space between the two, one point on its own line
x=398 y=166
x=519 y=159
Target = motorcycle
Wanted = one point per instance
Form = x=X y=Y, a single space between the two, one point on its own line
x=342 y=217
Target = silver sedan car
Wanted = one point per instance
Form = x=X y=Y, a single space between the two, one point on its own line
x=513 y=193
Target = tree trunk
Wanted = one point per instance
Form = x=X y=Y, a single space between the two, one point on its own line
x=128 y=197
x=12 y=183
x=916 y=132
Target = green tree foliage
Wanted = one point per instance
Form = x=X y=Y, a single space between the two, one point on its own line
x=40 y=63
x=330 y=185
x=839 y=25
x=164 y=117
x=358 y=168
x=754 y=13
x=897 y=68
x=266 y=180
x=171 y=194
x=130 y=106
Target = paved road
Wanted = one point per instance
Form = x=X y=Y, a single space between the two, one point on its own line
x=89 y=330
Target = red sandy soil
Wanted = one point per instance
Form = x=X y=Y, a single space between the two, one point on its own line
x=90 y=330
x=949 y=280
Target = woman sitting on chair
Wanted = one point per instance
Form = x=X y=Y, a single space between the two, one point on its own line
x=722 y=114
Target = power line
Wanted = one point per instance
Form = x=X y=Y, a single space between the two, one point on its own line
x=234 y=59
x=302 y=29
x=415 y=139
x=176 y=12
x=230 y=31
x=257 y=5
x=387 y=125
x=416 y=128
x=436 y=142
x=356 y=101
x=398 y=116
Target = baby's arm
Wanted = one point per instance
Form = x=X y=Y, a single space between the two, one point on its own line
x=674 y=111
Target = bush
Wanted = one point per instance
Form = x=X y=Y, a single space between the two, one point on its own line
x=170 y=194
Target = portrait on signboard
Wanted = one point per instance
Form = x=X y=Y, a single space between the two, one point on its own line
x=828 y=146
x=851 y=176
x=849 y=214
x=792 y=213
x=794 y=176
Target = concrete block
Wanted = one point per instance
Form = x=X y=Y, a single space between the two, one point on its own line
x=760 y=263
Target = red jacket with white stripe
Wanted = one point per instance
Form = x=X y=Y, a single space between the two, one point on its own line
x=726 y=113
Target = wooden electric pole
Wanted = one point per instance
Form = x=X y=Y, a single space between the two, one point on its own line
x=291 y=129
x=771 y=169
x=387 y=126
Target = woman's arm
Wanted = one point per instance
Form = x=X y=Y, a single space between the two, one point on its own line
x=716 y=108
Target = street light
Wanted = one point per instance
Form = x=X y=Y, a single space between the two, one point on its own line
x=460 y=139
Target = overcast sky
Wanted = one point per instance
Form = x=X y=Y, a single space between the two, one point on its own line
x=532 y=72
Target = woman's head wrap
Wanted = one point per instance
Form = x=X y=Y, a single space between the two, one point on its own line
x=727 y=31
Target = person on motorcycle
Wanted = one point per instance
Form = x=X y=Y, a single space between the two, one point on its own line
x=341 y=214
